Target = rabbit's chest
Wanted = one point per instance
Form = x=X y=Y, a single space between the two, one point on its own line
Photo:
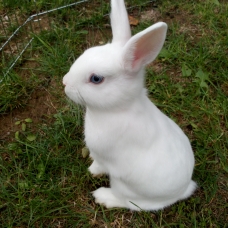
x=100 y=136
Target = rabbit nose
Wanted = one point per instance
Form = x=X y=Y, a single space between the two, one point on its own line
x=65 y=80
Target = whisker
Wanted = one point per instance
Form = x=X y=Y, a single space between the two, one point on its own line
x=81 y=98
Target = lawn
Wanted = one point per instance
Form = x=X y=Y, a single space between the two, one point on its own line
x=44 y=181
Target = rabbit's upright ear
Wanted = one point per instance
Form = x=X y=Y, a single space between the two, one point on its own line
x=144 y=47
x=119 y=21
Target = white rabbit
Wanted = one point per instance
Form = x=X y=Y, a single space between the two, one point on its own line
x=147 y=156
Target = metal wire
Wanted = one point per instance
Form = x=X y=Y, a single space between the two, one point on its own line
x=29 y=21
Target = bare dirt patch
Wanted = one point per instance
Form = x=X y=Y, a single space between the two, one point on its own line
x=225 y=88
x=150 y=15
x=40 y=107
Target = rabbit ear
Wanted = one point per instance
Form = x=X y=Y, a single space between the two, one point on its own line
x=144 y=47
x=119 y=21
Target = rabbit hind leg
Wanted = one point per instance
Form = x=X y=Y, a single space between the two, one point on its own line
x=105 y=196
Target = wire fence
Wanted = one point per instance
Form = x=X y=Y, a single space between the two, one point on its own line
x=16 y=30
x=16 y=34
x=19 y=23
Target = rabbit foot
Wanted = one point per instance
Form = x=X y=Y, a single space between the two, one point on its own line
x=104 y=196
x=96 y=170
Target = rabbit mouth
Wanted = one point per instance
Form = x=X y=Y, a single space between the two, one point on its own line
x=75 y=95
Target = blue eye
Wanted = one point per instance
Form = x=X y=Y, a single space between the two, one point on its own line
x=96 y=79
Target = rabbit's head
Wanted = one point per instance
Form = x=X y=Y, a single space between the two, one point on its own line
x=111 y=76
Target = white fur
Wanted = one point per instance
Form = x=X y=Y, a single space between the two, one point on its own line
x=147 y=156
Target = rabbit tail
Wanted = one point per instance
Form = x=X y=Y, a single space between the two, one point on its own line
x=189 y=191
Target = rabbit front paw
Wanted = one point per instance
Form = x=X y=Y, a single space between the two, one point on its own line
x=96 y=170
x=104 y=196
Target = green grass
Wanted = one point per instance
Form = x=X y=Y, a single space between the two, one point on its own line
x=44 y=180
